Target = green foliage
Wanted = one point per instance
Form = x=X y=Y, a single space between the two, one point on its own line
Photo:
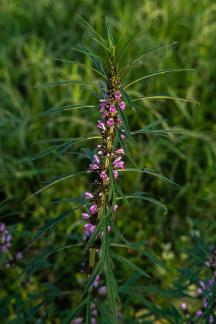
x=36 y=49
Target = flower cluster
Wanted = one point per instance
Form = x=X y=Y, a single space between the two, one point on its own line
x=106 y=163
x=5 y=244
x=5 y=238
x=204 y=293
x=104 y=157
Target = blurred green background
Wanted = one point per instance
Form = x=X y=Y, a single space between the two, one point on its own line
x=33 y=34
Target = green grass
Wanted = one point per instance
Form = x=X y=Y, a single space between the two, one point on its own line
x=33 y=35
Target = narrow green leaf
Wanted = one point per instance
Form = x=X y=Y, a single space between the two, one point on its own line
x=129 y=264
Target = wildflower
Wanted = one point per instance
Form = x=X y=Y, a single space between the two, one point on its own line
x=110 y=122
x=112 y=109
x=93 y=209
x=120 y=151
x=122 y=105
x=115 y=173
x=96 y=159
x=19 y=256
x=89 y=228
x=78 y=320
x=85 y=216
x=103 y=175
x=101 y=125
x=102 y=290
x=93 y=167
x=117 y=95
x=88 y=195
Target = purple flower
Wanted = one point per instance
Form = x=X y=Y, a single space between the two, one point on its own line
x=110 y=122
x=19 y=256
x=96 y=159
x=78 y=320
x=115 y=173
x=103 y=175
x=93 y=320
x=101 y=125
x=93 y=167
x=184 y=306
x=199 y=313
x=118 y=163
x=85 y=216
x=120 y=151
x=102 y=290
x=112 y=109
x=89 y=228
x=122 y=105
x=103 y=104
x=96 y=281
x=2 y=227
x=93 y=209
x=88 y=195
x=117 y=95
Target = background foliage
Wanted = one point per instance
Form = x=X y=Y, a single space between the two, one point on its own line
x=33 y=35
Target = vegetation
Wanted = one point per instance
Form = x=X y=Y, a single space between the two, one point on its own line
x=42 y=79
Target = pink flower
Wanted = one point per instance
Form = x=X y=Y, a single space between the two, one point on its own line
x=122 y=105
x=110 y=122
x=118 y=121
x=85 y=216
x=112 y=109
x=118 y=163
x=122 y=137
x=89 y=228
x=102 y=290
x=78 y=320
x=93 y=209
x=117 y=95
x=103 y=175
x=120 y=151
x=96 y=159
x=109 y=228
x=93 y=167
x=96 y=281
x=88 y=195
x=102 y=104
x=101 y=125
x=115 y=173
x=19 y=256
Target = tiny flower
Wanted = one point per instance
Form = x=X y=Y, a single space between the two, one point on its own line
x=120 y=151
x=85 y=216
x=184 y=306
x=199 y=313
x=96 y=281
x=88 y=195
x=78 y=320
x=112 y=109
x=101 y=125
x=122 y=137
x=93 y=167
x=103 y=175
x=122 y=105
x=110 y=122
x=117 y=95
x=89 y=228
x=103 y=104
x=115 y=207
x=19 y=256
x=93 y=209
x=96 y=159
x=2 y=227
x=93 y=320
x=102 y=290
x=109 y=229
x=115 y=173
